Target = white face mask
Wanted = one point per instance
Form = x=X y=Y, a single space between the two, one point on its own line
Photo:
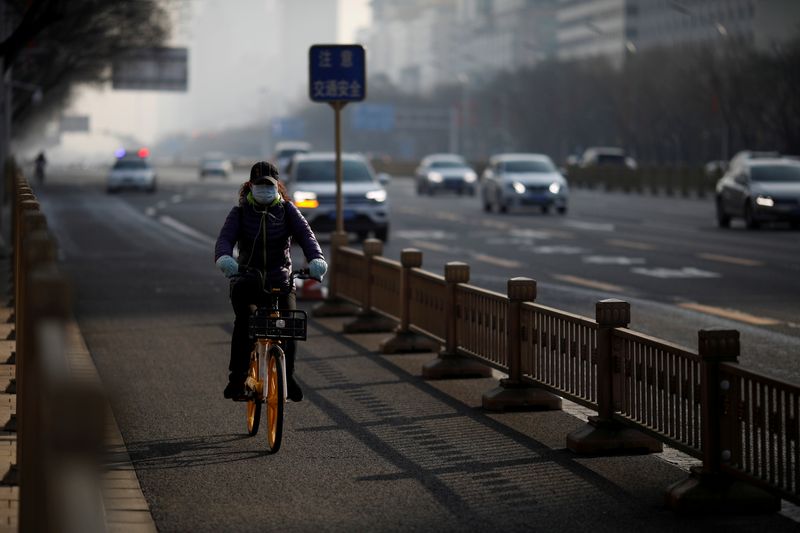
x=264 y=194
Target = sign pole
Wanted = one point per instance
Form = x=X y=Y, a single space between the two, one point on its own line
x=337 y=75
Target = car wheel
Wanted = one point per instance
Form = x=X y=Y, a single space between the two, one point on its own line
x=502 y=206
x=562 y=210
x=472 y=192
x=362 y=236
x=545 y=209
x=487 y=207
x=749 y=217
x=382 y=234
x=723 y=219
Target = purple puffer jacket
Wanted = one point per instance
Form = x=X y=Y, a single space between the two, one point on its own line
x=265 y=239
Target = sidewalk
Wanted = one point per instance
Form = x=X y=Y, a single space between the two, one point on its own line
x=507 y=471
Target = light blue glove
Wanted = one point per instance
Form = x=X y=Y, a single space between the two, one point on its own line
x=228 y=265
x=317 y=268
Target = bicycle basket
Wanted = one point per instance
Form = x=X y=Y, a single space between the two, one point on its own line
x=288 y=324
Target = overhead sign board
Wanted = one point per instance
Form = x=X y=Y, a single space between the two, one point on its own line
x=74 y=123
x=151 y=69
x=337 y=73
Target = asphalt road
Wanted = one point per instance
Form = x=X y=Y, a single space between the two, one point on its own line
x=154 y=311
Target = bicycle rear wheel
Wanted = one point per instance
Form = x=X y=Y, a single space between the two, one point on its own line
x=276 y=398
x=254 y=404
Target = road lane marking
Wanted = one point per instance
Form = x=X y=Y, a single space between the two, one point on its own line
x=151 y=211
x=435 y=247
x=557 y=249
x=613 y=260
x=630 y=244
x=496 y=261
x=593 y=284
x=452 y=217
x=180 y=227
x=424 y=234
x=675 y=273
x=495 y=224
x=589 y=226
x=730 y=259
x=176 y=199
x=731 y=314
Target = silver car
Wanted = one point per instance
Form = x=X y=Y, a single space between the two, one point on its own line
x=760 y=190
x=445 y=172
x=131 y=172
x=523 y=180
x=311 y=182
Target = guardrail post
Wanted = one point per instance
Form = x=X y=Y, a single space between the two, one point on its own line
x=333 y=304
x=602 y=434
x=513 y=393
x=708 y=488
x=449 y=363
x=369 y=321
x=404 y=340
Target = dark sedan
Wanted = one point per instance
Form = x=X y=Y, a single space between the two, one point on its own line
x=760 y=190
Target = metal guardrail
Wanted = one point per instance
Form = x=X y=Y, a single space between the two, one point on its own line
x=646 y=391
x=60 y=415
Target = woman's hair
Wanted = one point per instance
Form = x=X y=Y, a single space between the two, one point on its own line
x=245 y=188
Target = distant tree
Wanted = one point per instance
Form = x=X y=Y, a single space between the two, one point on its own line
x=56 y=44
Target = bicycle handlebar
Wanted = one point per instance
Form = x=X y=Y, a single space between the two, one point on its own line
x=302 y=273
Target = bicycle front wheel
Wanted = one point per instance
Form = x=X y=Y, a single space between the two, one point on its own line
x=254 y=404
x=276 y=398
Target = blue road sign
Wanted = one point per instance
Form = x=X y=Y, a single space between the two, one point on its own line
x=337 y=73
x=373 y=117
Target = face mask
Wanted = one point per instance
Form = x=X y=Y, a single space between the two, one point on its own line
x=264 y=194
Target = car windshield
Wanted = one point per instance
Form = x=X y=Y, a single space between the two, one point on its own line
x=447 y=164
x=352 y=171
x=776 y=173
x=610 y=159
x=527 y=166
x=130 y=164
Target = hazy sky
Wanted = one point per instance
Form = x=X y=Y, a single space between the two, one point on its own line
x=233 y=50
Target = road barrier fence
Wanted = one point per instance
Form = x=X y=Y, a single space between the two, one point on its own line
x=646 y=391
x=61 y=415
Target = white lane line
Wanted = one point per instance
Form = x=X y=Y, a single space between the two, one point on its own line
x=675 y=273
x=176 y=198
x=589 y=226
x=613 y=260
x=452 y=217
x=630 y=244
x=182 y=228
x=730 y=259
x=594 y=284
x=151 y=211
x=425 y=245
x=496 y=261
x=731 y=314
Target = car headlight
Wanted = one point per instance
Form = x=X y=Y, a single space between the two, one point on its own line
x=555 y=187
x=470 y=177
x=519 y=187
x=377 y=196
x=765 y=201
x=305 y=199
x=435 y=177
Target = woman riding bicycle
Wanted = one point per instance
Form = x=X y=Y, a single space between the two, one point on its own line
x=263 y=225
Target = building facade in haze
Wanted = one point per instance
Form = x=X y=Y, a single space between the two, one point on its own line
x=614 y=28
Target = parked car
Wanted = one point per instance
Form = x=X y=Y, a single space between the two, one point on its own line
x=215 y=165
x=445 y=172
x=285 y=150
x=760 y=190
x=131 y=170
x=523 y=180
x=311 y=182
x=606 y=156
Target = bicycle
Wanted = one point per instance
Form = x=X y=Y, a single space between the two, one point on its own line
x=269 y=327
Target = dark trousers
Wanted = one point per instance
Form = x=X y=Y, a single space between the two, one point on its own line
x=246 y=291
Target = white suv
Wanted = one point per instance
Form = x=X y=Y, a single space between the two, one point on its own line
x=311 y=181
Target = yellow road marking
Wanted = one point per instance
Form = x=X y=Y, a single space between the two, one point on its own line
x=505 y=263
x=589 y=283
x=732 y=314
x=630 y=244
x=444 y=215
x=732 y=260
x=430 y=246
